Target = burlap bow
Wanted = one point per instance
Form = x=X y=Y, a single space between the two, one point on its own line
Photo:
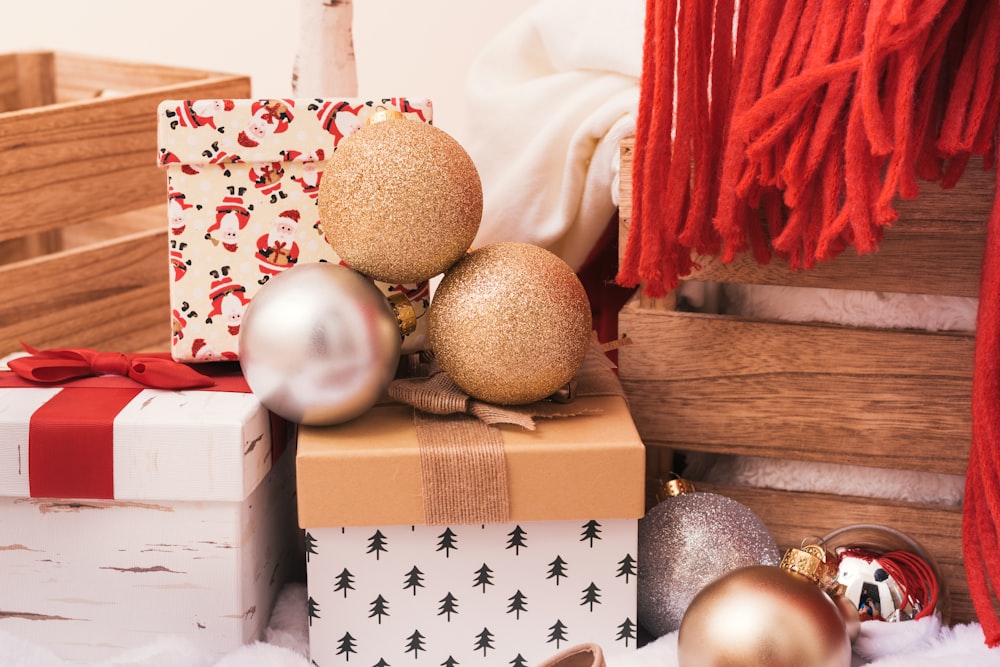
x=462 y=463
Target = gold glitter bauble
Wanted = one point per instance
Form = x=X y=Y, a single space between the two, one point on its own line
x=763 y=616
x=400 y=201
x=510 y=323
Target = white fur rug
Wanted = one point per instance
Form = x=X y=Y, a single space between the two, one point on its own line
x=923 y=643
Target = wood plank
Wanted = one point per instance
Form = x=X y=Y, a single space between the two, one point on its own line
x=80 y=77
x=70 y=162
x=935 y=247
x=110 y=292
x=791 y=516
x=895 y=399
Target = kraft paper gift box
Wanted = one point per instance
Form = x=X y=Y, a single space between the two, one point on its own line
x=177 y=518
x=242 y=188
x=388 y=587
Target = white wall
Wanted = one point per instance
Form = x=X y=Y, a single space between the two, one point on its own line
x=403 y=47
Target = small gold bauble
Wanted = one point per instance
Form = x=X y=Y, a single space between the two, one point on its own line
x=400 y=201
x=762 y=616
x=510 y=323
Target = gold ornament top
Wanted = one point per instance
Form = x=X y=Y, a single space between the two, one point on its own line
x=674 y=487
x=406 y=315
x=383 y=114
x=815 y=563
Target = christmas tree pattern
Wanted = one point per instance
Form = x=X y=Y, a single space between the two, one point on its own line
x=484 y=641
x=415 y=643
x=557 y=569
x=591 y=532
x=626 y=631
x=447 y=541
x=484 y=577
x=449 y=606
x=518 y=604
x=345 y=582
x=557 y=632
x=626 y=567
x=377 y=544
x=310 y=545
x=414 y=579
x=312 y=609
x=346 y=646
x=379 y=608
x=517 y=540
x=579 y=577
x=591 y=596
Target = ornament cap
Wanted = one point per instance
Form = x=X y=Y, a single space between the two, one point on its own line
x=382 y=114
x=405 y=314
x=674 y=487
x=814 y=562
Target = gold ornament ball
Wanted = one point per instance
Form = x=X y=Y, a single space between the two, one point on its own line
x=762 y=616
x=400 y=201
x=510 y=323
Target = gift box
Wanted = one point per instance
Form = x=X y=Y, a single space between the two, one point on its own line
x=243 y=183
x=129 y=513
x=81 y=201
x=410 y=561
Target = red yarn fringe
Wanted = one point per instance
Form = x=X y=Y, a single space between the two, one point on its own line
x=788 y=128
x=791 y=129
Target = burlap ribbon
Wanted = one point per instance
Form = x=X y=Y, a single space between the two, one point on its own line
x=462 y=463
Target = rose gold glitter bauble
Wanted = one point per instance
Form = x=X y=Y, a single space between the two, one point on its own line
x=400 y=201
x=763 y=616
x=510 y=323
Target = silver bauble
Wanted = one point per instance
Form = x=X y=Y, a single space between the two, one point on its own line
x=319 y=344
x=687 y=541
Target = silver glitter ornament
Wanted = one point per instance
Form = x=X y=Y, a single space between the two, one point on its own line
x=688 y=540
x=319 y=344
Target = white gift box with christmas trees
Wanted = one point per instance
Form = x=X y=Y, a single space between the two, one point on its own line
x=387 y=587
x=243 y=181
x=129 y=513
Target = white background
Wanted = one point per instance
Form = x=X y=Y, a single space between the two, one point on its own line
x=418 y=48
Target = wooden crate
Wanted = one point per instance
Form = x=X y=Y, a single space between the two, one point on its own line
x=83 y=247
x=895 y=399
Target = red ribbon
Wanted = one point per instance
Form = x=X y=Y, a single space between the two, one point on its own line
x=71 y=436
x=56 y=366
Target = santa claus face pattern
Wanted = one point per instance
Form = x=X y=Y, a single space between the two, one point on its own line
x=243 y=179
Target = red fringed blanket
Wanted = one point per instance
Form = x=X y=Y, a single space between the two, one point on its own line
x=787 y=128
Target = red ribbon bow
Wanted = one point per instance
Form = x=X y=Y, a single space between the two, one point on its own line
x=55 y=366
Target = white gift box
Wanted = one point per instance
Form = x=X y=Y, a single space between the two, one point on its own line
x=197 y=539
x=386 y=588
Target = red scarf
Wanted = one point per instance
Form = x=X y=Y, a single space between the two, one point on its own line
x=814 y=118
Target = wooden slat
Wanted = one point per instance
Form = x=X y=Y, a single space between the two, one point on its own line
x=113 y=295
x=26 y=80
x=891 y=399
x=74 y=161
x=935 y=247
x=80 y=77
x=791 y=516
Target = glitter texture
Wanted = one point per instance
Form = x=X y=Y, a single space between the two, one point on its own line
x=400 y=201
x=688 y=541
x=510 y=323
